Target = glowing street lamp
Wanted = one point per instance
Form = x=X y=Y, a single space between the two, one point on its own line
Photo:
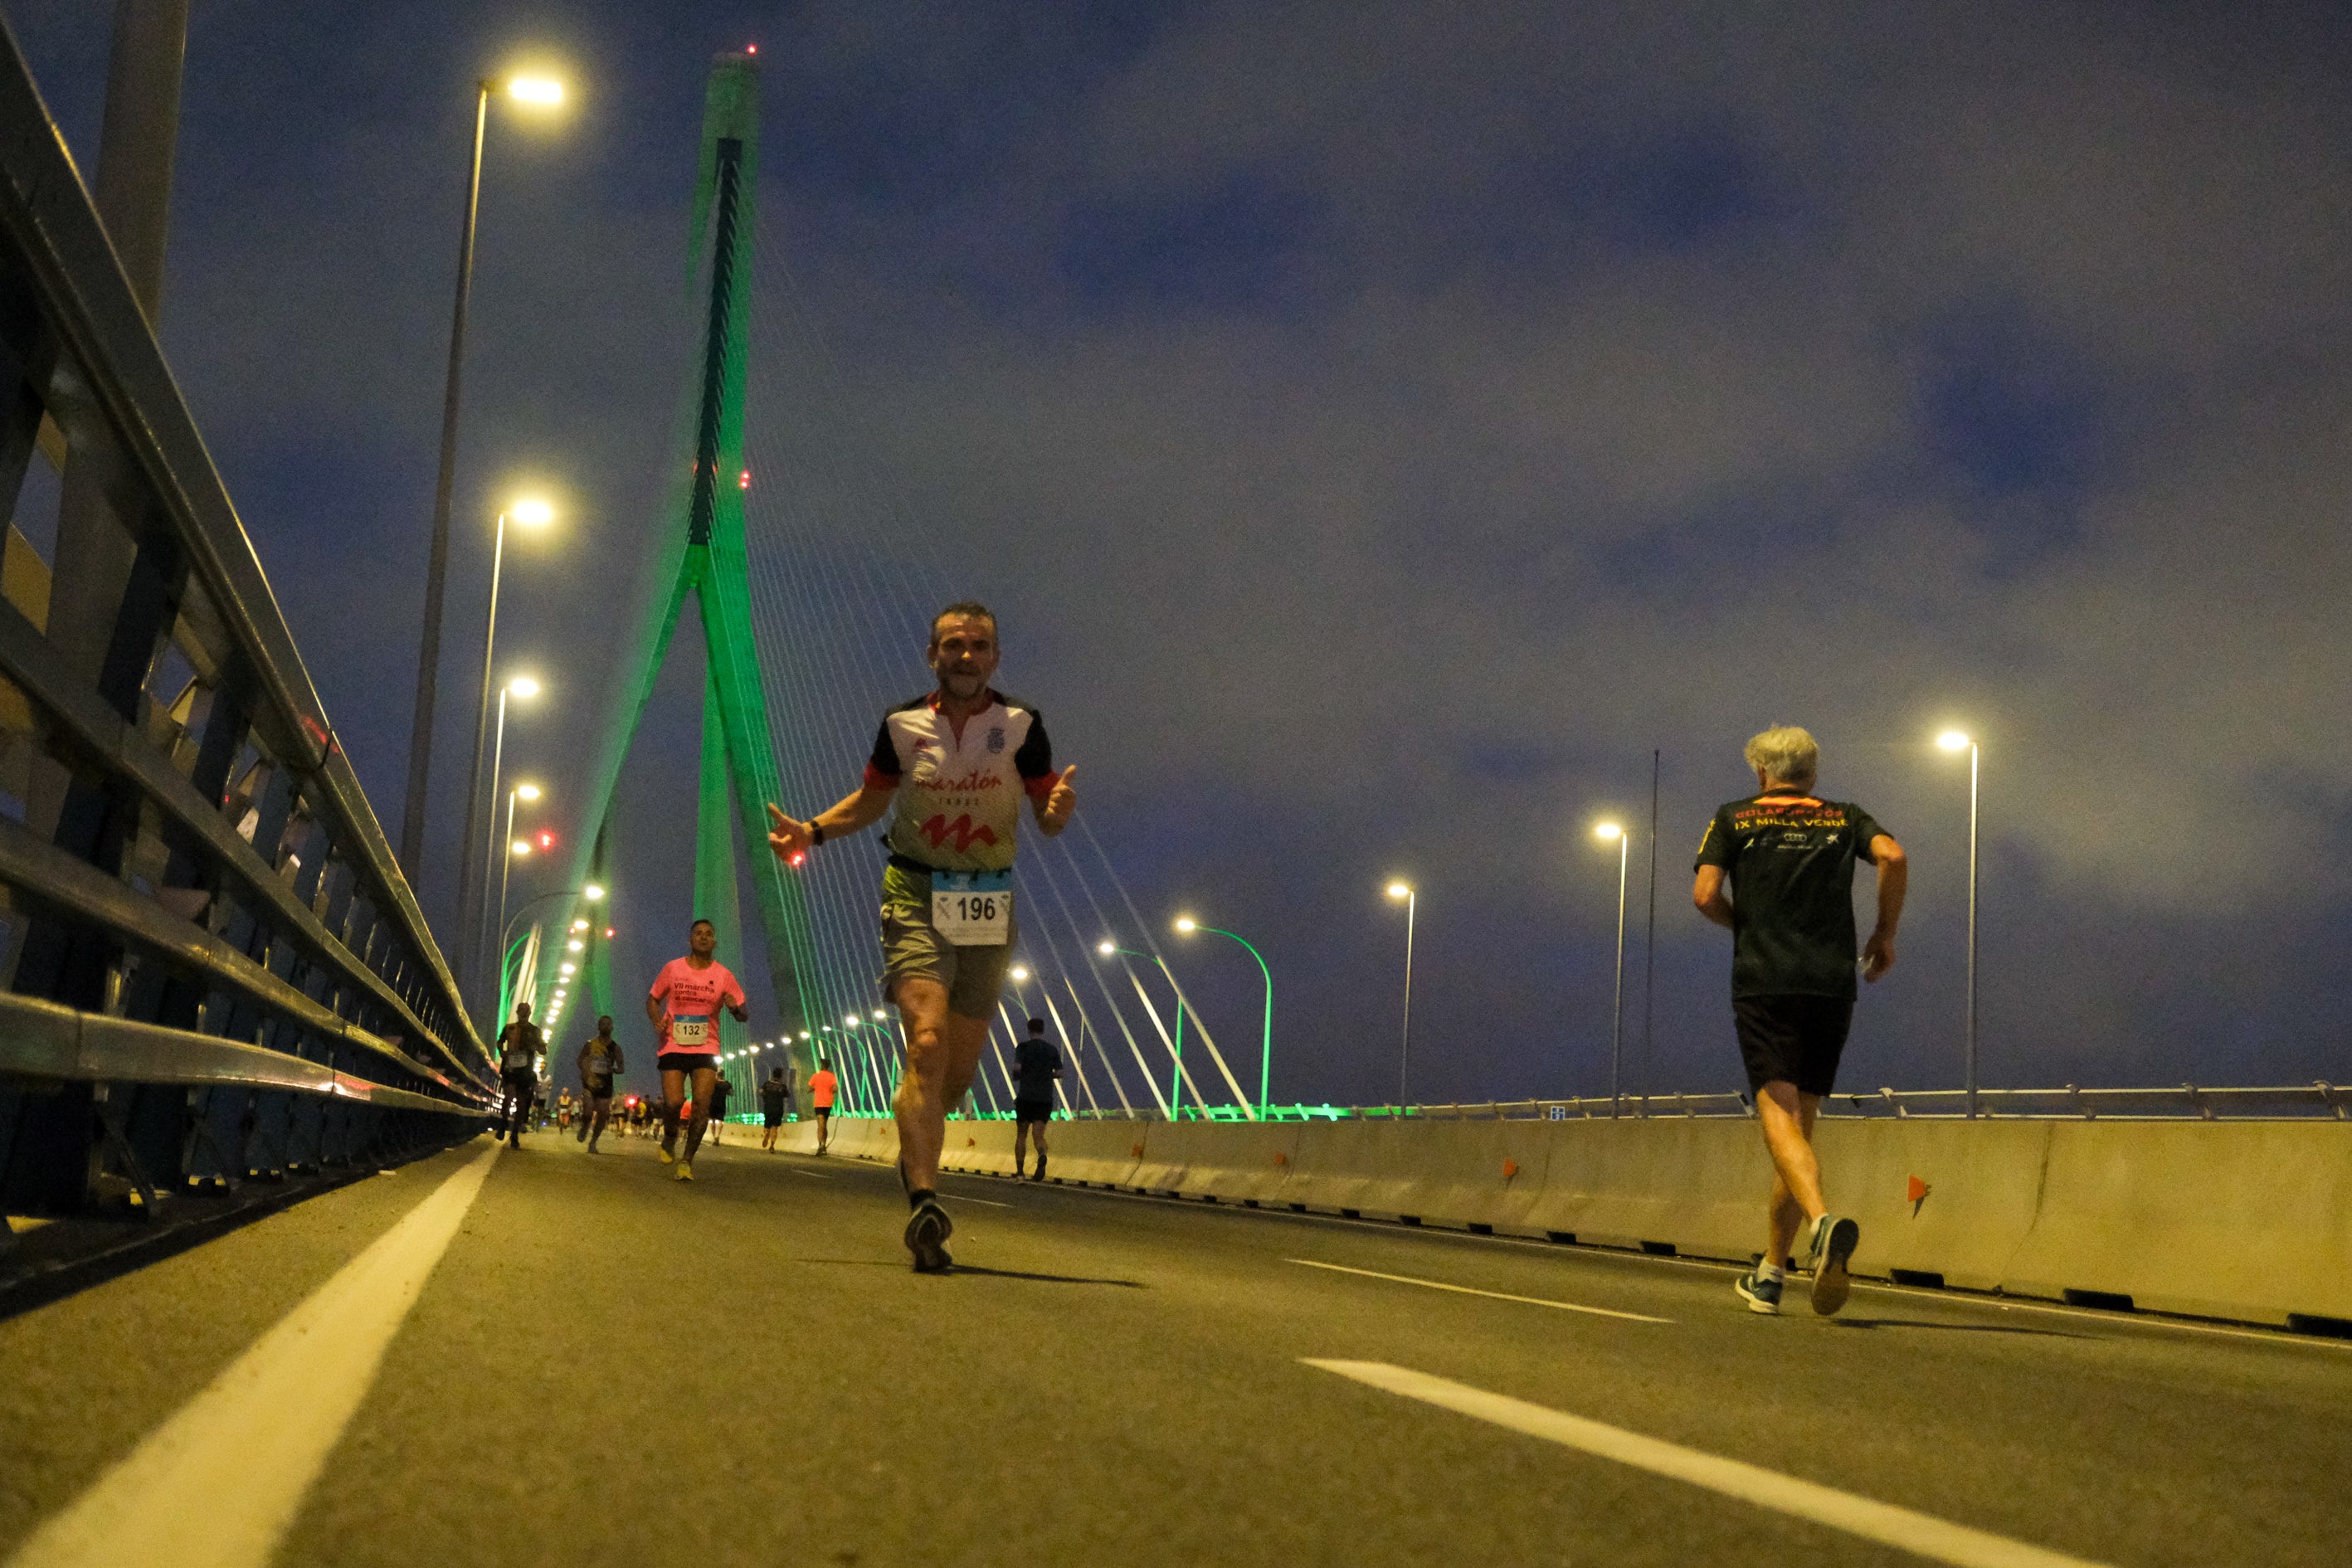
x=1019 y=975
x=1401 y=890
x=1956 y=741
x=1606 y=832
x=1186 y=925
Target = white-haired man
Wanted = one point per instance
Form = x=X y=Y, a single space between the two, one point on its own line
x=1790 y=858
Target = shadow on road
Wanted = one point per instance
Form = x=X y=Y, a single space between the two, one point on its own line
x=1045 y=1278
x=1955 y=1327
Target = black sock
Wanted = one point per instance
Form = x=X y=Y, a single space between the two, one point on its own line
x=918 y=1197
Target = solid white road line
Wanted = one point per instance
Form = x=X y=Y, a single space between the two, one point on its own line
x=1491 y=1295
x=217 y=1484
x=812 y=1175
x=992 y=1202
x=1921 y=1534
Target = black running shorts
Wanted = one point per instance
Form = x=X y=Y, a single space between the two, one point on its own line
x=1025 y=1111
x=686 y=1061
x=1792 y=1039
x=771 y=1119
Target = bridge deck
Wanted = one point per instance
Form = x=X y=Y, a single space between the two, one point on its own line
x=608 y=1367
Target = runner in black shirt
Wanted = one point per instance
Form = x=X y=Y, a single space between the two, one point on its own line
x=1036 y=1063
x=520 y=1044
x=775 y=1094
x=1790 y=856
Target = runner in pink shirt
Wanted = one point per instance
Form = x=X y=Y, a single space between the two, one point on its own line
x=684 y=1007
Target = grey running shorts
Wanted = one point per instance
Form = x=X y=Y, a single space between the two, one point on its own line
x=910 y=947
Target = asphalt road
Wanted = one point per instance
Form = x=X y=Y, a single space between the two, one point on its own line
x=605 y=1366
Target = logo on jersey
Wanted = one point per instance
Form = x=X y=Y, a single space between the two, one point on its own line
x=938 y=830
x=996 y=737
x=970 y=783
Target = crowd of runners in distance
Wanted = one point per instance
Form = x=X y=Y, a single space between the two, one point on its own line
x=951 y=771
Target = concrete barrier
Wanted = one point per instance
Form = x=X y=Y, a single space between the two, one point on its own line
x=2250 y=1220
x=2244 y=1220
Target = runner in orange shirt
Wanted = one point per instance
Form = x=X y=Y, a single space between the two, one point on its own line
x=822 y=1086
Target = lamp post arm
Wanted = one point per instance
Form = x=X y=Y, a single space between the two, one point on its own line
x=1265 y=1048
x=534 y=903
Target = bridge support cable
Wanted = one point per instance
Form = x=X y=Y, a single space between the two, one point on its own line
x=1102 y=1047
x=1249 y=1107
x=1184 y=1075
x=1150 y=1082
x=1045 y=991
x=1043 y=865
x=1184 y=1079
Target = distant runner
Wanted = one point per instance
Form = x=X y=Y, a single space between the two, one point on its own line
x=1036 y=1063
x=775 y=1094
x=1790 y=860
x=599 y=1064
x=563 y=1110
x=683 y=1007
x=954 y=765
x=721 y=1093
x=823 y=1087
x=520 y=1044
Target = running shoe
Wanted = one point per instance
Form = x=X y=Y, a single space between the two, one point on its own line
x=927 y=1234
x=1834 y=1240
x=685 y=1171
x=1762 y=1295
x=1041 y=1169
x=667 y=1157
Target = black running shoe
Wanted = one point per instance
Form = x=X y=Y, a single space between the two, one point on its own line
x=1041 y=1169
x=1831 y=1283
x=927 y=1237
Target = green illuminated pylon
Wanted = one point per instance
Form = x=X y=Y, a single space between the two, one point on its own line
x=703 y=556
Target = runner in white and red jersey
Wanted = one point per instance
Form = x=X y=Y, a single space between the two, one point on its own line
x=953 y=768
x=683 y=1005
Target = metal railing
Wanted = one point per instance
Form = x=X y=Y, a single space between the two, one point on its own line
x=212 y=966
x=2186 y=1102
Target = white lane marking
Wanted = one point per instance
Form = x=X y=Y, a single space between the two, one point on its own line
x=2118 y=1320
x=1906 y=1530
x=1975 y=1300
x=992 y=1202
x=217 y=1484
x=1492 y=1295
x=812 y=1175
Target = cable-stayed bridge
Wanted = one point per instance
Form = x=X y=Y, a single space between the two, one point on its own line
x=2090 y=1328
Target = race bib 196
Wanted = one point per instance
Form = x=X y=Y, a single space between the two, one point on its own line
x=973 y=909
x=690 y=1032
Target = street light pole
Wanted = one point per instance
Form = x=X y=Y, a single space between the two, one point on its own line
x=1953 y=741
x=528 y=89
x=520 y=685
x=1973 y=758
x=429 y=657
x=1617 y=1005
x=1404 y=1049
x=1188 y=925
x=521 y=792
x=532 y=514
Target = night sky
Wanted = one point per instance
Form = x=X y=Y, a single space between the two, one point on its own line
x=1379 y=426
